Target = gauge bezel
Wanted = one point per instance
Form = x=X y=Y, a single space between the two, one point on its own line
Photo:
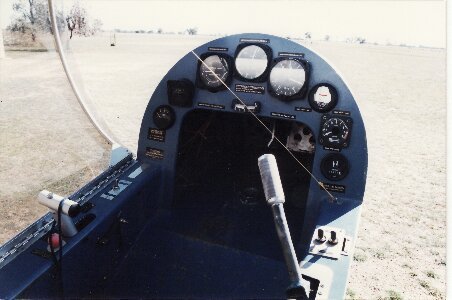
x=268 y=51
x=331 y=105
x=172 y=113
x=200 y=84
x=302 y=92
x=337 y=156
x=346 y=143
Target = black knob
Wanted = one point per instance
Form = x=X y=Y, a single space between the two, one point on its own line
x=333 y=238
x=320 y=236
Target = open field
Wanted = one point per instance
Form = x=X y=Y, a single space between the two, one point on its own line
x=401 y=91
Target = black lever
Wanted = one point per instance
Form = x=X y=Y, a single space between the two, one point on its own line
x=274 y=195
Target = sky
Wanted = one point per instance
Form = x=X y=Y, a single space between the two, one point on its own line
x=410 y=22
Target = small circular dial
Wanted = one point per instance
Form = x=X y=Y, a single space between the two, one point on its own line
x=335 y=132
x=164 y=117
x=334 y=166
x=213 y=69
x=287 y=77
x=251 y=62
x=323 y=97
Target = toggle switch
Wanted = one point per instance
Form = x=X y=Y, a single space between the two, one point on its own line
x=320 y=236
x=333 y=238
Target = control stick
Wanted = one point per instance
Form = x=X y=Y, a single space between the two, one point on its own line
x=274 y=195
x=69 y=209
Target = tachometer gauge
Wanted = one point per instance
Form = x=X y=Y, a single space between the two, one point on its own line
x=334 y=166
x=288 y=78
x=251 y=62
x=214 y=71
x=335 y=132
x=323 y=97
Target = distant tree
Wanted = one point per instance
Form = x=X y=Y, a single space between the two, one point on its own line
x=151 y=31
x=32 y=16
x=78 y=22
x=360 y=40
x=192 y=31
x=326 y=38
x=307 y=35
x=160 y=31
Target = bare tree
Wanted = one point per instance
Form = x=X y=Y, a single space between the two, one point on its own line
x=326 y=38
x=307 y=35
x=192 y=30
x=77 y=22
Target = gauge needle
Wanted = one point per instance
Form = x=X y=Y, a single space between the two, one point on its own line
x=255 y=51
x=296 y=81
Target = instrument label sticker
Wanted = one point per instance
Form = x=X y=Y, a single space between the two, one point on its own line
x=341 y=112
x=154 y=153
x=218 y=49
x=334 y=187
x=303 y=109
x=156 y=134
x=290 y=54
x=246 y=40
x=251 y=89
x=210 y=105
x=332 y=149
x=283 y=115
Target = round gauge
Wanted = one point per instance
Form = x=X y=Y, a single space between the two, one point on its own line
x=287 y=78
x=251 y=62
x=214 y=71
x=164 y=117
x=334 y=166
x=335 y=133
x=323 y=97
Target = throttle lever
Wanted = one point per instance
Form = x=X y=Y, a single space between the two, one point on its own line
x=274 y=195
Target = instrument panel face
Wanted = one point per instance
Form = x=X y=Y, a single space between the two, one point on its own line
x=269 y=77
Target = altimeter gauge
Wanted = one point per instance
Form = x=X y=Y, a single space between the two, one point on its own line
x=251 y=62
x=214 y=72
x=288 y=78
x=335 y=132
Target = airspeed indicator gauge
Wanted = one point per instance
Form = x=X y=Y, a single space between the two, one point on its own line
x=288 y=78
x=251 y=62
x=213 y=71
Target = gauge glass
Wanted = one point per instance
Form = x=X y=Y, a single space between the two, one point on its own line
x=335 y=131
x=323 y=97
x=213 y=69
x=334 y=166
x=251 y=62
x=164 y=117
x=287 y=77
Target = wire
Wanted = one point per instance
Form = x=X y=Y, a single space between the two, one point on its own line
x=268 y=129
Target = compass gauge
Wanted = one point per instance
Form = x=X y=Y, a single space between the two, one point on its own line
x=323 y=97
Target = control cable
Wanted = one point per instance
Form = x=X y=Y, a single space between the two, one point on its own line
x=265 y=126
